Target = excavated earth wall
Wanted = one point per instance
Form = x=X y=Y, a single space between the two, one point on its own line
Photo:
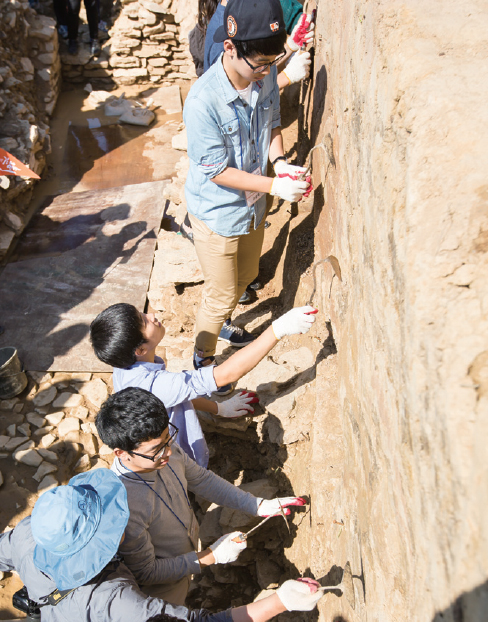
x=398 y=470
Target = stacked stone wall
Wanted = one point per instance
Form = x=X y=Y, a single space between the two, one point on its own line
x=401 y=88
x=29 y=86
x=148 y=45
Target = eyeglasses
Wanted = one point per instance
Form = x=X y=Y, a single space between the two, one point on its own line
x=162 y=449
x=262 y=68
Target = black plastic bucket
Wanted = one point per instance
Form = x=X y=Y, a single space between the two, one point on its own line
x=12 y=377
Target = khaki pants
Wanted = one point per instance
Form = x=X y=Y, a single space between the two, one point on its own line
x=174 y=593
x=228 y=265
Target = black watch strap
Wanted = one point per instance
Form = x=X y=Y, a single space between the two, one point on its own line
x=278 y=159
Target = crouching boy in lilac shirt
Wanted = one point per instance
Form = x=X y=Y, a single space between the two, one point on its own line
x=126 y=339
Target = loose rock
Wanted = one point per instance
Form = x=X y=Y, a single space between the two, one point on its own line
x=95 y=392
x=70 y=424
x=83 y=464
x=45 y=395
x=13 y=443
x=44 y=469
x=47 y=454
x=55 y=418
x=81 y=412
x=47 y=483
x=105 y=450
x=35 y=419
x=47 y=441
x=24 y=429
x=68 y=400
x=28 y=456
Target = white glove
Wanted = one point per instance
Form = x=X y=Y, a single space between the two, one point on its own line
x=225 y=550
x=298 y=68
x=298 y=321
x=271 y=507
x=237 y=406
x=302 y=34
x=288 y=189
x=283 y=168
x=300 y=595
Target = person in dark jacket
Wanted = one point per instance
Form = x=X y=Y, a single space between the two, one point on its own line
x=66 y=556
x=196 y=37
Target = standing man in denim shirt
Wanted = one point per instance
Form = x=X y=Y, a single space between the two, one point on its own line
x=232 y=115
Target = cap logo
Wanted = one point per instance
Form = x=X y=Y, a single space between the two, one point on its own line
x=275 y=26
x=231 y=26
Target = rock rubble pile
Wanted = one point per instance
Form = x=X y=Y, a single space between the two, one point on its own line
x=30 y=81
x=148 y=44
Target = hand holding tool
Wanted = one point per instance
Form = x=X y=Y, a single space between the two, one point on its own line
x=300 y=595
x=298 y=68
x=302 y=34
x=288 y=189
x=238 y=405
x=227 y=548
x=282 y=169
x=297 y=321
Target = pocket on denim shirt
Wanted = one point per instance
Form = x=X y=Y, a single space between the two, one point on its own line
x=230 y=131
x=266 y=111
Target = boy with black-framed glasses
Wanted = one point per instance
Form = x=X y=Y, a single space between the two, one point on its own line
x=232 y=116
x=161 y=537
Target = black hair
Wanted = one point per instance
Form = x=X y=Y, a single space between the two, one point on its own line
x=131 y=417
x=206 y=9
x=116 y=333
x=271 y=46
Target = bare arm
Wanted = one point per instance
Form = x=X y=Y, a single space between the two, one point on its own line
x=201 y=403
x=282 y=80
x=276 y=144
x=260 y=611
x=240 y=180
x=243 y=361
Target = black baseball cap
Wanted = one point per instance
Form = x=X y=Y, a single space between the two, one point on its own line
x=247 y=20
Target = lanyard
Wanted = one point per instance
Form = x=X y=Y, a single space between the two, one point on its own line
x=240 y=138
x=157 y=495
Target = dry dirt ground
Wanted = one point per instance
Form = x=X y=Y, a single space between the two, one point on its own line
x=53 y=418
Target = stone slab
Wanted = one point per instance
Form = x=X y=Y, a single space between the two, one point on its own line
x=85 y=251
x=168 y=98
x=115 y=155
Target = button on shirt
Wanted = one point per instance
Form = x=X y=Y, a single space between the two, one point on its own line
x=175 y=391
x=224 y=131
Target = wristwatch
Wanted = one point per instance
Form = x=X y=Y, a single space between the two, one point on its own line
x=278 y=159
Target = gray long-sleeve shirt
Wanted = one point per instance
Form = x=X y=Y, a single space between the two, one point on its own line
x=116 y=599
x=157 y=547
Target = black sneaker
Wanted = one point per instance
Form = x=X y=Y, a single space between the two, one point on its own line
x=72 y=47
x=209 y=361
x=235 y=336
x=255 y=285
x=246 y=297
x=95 y=47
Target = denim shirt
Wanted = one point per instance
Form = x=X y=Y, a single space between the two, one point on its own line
x=223 y=131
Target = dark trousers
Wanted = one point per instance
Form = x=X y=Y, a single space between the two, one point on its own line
x=68 y=11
